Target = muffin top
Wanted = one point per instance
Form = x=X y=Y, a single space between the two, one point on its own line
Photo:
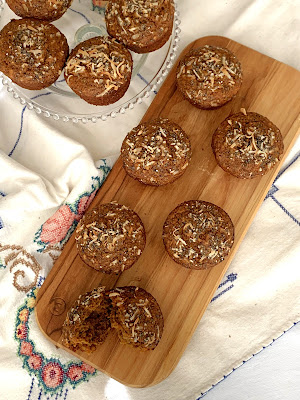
x=32 y=52
x=101 y=65
x=137 y=317
x=142 y=25
x=198 y=234
x=110 y=237
x=247 y=145
x=209 y=76
x=49 y=10
x=156 y=152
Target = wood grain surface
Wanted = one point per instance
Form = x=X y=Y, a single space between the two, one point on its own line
x=269 y=88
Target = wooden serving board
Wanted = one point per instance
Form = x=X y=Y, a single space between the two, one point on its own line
x=269 y=88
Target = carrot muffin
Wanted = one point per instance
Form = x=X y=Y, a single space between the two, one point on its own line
x=99 y=70
x=209 y=76
x=32 y=53
x=137 y=317
x=141 y=25
x=198 y=234
x=247 y=145
x=88 y=321
x=110 y=238
x=156 y=152
x=49 y=10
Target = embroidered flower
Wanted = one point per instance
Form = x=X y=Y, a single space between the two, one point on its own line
x=21 y=331
x=52 y=375
x=34 y=361
x=23 y=315
x=26 y=349
x=87 y=368
x=30 y=302
x=83 y=204
x=56 y=227
x=75 y=373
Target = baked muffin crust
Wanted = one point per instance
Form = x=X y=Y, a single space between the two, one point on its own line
x=49 y=10
x=99 y=70
x=32 y=53
x=209 y=76
x=137 y=317
x=198 y=234
x=247 y=145
x=110 y=238
x=141 y=25
x=156 y=152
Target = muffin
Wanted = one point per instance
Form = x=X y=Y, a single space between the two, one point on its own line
x=209 y=76
x=99 y=70
x=141 y=25
x=137 y=317
x=110 y=238
x=156 y=152
x=88 y=321
x=49 y=10
x=132 y=311
x=32 y=53
x=247 y=145
x=198 y=234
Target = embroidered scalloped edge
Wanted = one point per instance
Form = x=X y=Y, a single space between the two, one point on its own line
x=248 y=359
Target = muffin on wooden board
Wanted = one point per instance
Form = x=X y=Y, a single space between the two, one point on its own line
x=49 y=10
x=110 y=238
x=141 y=25
x=32 y=53
x=247 y=145
x=88 y=321
x=99 y=70
x=156 y=152
x=198 y=234
x=137 y=317
x=209 y=76
x=132 y=311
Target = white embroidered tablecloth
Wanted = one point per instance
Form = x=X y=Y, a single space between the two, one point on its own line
x=49 y=173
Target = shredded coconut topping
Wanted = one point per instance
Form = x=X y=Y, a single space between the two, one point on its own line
x=105 y=61
x=198 y=232
x=156 y=149
x=207 y=69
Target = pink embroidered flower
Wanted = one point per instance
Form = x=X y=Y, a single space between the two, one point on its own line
x=83 y=204
x=21 y=331
x=34 y=361
x=56 y=227
x=87 y=368
x=75 y=373
x=26 y=349
x=24 y=315
x=52 y=374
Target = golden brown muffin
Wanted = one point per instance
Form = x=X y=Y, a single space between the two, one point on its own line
x=99 y=70
x=110 y=238
x=49 y=10
x=209 y=76
x=198 y=234
x=247 y=145
x=137 y=317
x=32 y=53
x=156 y=152
x=88 y=321
x=141 y=25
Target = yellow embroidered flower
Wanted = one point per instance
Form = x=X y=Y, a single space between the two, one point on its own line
x=30 y=302
x=24 y=315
